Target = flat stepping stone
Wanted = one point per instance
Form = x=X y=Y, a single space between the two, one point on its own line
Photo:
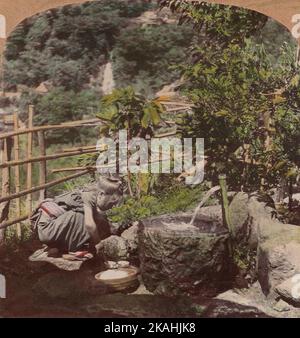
x=41 y=255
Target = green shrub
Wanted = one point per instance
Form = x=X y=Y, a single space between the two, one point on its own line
x=182 y=198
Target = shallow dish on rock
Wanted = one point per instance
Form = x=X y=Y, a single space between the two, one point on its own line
x=119 y=279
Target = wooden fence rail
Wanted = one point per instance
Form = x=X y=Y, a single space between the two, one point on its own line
x=72 y=124
x=45 y=186
x=13 y=222
x=26 y=192
x=6 y=138
x=47 y=157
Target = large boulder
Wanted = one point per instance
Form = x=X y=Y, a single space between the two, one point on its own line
x=131 y=237
x=278 y=259
x=114 y=248
x=289 y=290
x=252 y=219
x=232 y=304
x=277 y=245
x=178 y=258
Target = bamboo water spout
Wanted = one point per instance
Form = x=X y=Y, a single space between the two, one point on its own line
x=204 y=200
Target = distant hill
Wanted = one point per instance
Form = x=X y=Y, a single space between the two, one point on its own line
x=56 y=60
x=67 y=46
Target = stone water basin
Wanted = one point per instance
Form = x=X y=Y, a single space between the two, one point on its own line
x=180 y=258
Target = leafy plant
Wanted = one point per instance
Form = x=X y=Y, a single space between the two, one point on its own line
x=245 y=104
x=177 y=198
x=126 y=110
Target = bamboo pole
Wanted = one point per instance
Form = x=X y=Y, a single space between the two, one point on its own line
x=3 y=206
x=290 y=193
x=83 y=148
x=5 y=186
x=42 y=164
x=94 y=168
x=267 y=125
x=29 y=156
x=175 y=103
x=5 y=225
x=179 y=109
x=46 y=158
x=54 y=127
x=45 y=186
x=225 y=211
x=91 y=168
x=2 y=75
x=79 y=149
x=267 y=118
x=17 y=173
x=171 y=133
x=72 y=124
x=170 y=122
x=225 y=203
x=50 y=184
x=297 y=56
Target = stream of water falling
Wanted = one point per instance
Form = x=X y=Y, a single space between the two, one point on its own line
x=203 y=201
x=108 y=83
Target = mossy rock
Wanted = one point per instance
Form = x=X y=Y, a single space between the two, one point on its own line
x=182 y=259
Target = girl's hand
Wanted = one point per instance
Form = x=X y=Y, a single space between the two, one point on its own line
x=89 y=198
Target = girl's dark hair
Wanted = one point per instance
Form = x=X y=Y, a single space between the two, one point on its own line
x=110 y=186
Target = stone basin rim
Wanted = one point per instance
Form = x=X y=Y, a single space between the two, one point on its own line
x=204 y=225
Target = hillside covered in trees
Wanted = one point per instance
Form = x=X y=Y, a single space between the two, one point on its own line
x=67 y=49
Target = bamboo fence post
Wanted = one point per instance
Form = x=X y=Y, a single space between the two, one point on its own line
x=225 y=210
x=5 y=185
x=225 y=203
x=17 y=173
x=267 y=116
x=29 y=156
x=297 y=56
x=3 y=206
x=42 y=164
x=290 y=195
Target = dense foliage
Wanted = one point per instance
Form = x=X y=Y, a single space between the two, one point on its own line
x=240 y=76
x=145 y=57
x=246 y=101
x=125 y=109
x=66 y=45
